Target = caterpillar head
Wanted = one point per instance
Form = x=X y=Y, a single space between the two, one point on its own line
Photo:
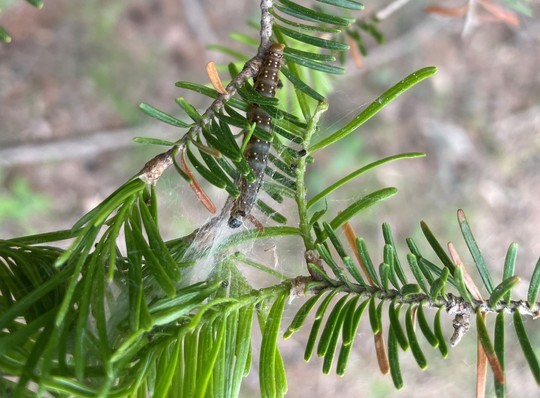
x=276 y=50
x=236 y=221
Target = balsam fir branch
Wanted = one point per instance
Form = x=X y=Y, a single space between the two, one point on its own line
x=156 y=166
x=414 y=295
x=114 y=314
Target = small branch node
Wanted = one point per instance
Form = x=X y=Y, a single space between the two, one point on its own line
x=312 y=257
x=299 y=287
x=155 y=167
x=462 y=319
x=461 y=324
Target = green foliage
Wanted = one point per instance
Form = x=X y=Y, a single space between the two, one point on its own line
x=36 y=3
x=116 y=313
x=20 y=202
x=521 y=6
x=4 y=35
x=415 y=298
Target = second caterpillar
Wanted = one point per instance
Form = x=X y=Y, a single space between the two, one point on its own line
x=256 y=152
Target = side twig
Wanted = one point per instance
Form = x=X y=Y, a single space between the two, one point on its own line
x=250 y=69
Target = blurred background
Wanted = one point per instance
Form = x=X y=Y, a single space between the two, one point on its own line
x=72 y=78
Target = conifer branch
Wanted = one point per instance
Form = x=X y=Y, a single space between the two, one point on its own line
x=453 y=304
x=107 y=319
x=250 y=70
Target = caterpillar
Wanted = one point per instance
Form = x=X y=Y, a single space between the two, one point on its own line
x=256 y=152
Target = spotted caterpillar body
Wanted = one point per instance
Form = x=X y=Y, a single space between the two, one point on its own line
x=256 y=152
